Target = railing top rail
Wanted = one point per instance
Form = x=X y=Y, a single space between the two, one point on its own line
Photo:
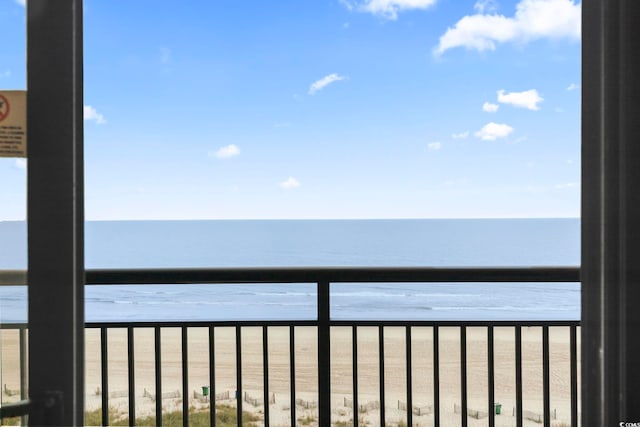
x=13 y=277
x=16 y=409
x=142 y=276
x=314 y=323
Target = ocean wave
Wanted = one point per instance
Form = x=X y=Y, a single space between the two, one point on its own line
x=368 y=294
x=285 y=294
x=447 y=295
x=504 y=308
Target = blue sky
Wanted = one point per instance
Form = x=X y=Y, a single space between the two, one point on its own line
x=321 y=109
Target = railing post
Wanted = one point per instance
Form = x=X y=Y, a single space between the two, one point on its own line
x=185 y=377
x=239 y=394
x=463 y=376
x=104 y=375
x=292 y=373
x=519 y=420
x=23 y=370
x=157 y=335
x=265 y=373
x=324 y=351
x=131 y=363
x=491 y=378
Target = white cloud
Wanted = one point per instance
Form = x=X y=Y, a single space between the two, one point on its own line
x=347 y=4
x=91 y=113
x=22 y=2
x=492 y=131
x=387 y=8
x=461 y=135
x=324 y=82
x=290 y=183
x=528 y=99
x=6 y=73
x=165 y=55
x=21 y=164
x=484 y=6
x=573 y=86
x=533 y=19
x=227 y=152
x=489 y=107
x=434 y=146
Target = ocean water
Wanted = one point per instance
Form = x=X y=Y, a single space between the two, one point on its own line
x=461 y=243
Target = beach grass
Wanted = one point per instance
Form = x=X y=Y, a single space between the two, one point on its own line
x=225 y=417
x=14 y=421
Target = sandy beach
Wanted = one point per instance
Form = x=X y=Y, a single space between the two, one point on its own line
x=341 y=372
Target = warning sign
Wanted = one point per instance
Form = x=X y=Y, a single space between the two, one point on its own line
x=13 y=123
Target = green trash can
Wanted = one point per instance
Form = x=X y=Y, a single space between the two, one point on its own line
x=205 y=390
x=498 y=408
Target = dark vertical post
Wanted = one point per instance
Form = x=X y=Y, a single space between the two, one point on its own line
x=265 y=373
x=292 y=372
x=132 y=376
x=104 y=375
x=23 y=362
x=463 y=375
x=239 y=395
x=610 y=271
x=185 y=377
x=491 y=379
x=55 y=213
x=354 y=354
x=212 y=376
x=23 y=368
x=519 y=420
x=324 y=355
x=409 y=378
x=158 y=374
x=574 y=376
x=436 y=377
x=381 y=373
x=545 y=377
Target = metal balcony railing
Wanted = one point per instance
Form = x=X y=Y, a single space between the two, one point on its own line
x=323 y=278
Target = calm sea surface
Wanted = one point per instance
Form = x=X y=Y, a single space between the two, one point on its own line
x=165 y=244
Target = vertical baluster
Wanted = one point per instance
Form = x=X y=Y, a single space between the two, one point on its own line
x=104 y=368
x=436 y=377
x=158 y=374
x=463 y=375
x=292 y=373
x=354 y=354
x=518 y=376
x=239 y=395
x=324 y=355
x=545 y=377
x=381 y=373
x=491 y=378
x=23 y=369
x=132 y=377
x=185 y=378
x=409 y=378
x=574 y=376
x=212 y=377
x=265 y=373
